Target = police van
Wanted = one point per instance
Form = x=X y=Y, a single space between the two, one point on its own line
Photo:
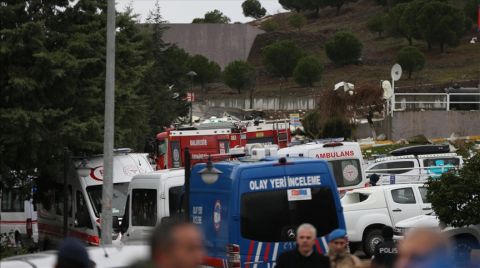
x=248 y=210
x=344 y=158
x=84 y=197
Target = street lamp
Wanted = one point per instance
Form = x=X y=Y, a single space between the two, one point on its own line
x=191 y=74
x=209 y=174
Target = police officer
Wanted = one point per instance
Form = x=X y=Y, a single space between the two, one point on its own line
x=385 y=253
x=304 y=255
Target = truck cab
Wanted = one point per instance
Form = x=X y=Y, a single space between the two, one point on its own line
x=150 y=198
x=367 y=210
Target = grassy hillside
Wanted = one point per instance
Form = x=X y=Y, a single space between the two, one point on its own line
x=456 y=64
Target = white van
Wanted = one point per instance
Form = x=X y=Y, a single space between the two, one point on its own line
x=412 y=168
x=143 y=211
x=85 y=197
x=345 y=159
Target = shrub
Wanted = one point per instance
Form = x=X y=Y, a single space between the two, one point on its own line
x=411 y=60
x=344 y=49
x=308 y=71
x=281 y=57
x=297 y=20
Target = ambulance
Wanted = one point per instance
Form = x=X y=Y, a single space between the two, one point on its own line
x=84 y=197
x=344 y=158
x=248 y=210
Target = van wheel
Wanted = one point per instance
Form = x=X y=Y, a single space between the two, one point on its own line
x=372 y=238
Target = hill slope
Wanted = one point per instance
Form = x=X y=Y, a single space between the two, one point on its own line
x=457 y=64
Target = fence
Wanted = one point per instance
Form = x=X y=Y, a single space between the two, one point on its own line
x=436 y=101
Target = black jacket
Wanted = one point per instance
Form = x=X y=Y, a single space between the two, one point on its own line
x=385 y=254
x=293 y=259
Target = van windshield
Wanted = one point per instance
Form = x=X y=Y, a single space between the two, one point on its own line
x=347 y=172
x=118 y=201
x=270 y=216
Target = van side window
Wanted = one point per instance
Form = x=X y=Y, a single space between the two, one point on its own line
x=398 y=167
x=346 y=172
x=82 y=216
x=174 y=200
x=403 y=196
x=12 y=200
x=423 y=194
x=144 y=207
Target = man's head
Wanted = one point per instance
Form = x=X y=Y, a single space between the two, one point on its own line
x=306 y=235
x=387 y=232
x=337 y=241
x=421 y=246
x=177 y=244
x=73 y=254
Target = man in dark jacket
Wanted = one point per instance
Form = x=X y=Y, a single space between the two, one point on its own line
x=385 y=252
x=304 y=255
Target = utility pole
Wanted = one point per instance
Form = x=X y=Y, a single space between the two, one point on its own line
x=108 y=136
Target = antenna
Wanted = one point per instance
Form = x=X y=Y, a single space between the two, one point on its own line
x=387 y=89
x=396 y=72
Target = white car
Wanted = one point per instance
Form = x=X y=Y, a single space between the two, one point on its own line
x=109 y=256
x=367 y=210
x=413 y=168
x=464 y=237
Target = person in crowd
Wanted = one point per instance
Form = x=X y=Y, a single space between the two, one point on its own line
x=73 y=254
x=177 y=244
x=385 y=252
x=338 y=252
x=374 y=178
x=304 y=255
x=424 y=248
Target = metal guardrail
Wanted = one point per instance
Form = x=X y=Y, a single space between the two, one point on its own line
x=443 y=101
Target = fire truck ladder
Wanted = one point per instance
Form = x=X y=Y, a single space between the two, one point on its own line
x=282 y=133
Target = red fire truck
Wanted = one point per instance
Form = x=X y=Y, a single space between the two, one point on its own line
x=170 y=144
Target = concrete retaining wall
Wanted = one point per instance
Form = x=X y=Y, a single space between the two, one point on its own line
x=280 y=103
x=222 y=43
x=432 y=124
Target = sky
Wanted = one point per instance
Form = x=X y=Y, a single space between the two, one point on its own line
x=184 y=11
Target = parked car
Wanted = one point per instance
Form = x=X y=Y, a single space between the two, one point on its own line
x=413 y=168
x=106 y=256
x=367 y=210
x=464 y=239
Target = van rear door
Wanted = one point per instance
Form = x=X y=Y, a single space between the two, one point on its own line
x=272 y=207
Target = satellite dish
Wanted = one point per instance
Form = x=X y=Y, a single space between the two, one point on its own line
x=396 y=72
x=387 y=89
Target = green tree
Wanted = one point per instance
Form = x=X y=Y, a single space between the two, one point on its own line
x=281 y=57
x=338 y=4
x=411 y=60
x=454 y=197
x=253 y=8
x=239 y=75
x=312 y=124
x=295 y=5
x=207 y=71
x=270 y=25
x=308 y=71
x=214 y=16
x=398 y=26
x=297 y=20
x=344 y=48
x=442 y=24
x=471 y=9
x=376 y=24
